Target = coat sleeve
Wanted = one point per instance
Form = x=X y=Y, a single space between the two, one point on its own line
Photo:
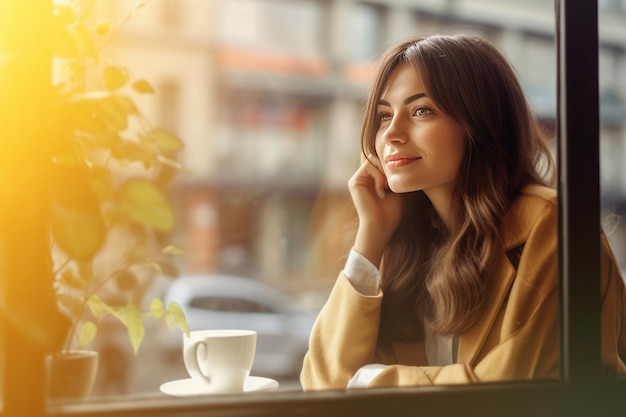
x=343 y=338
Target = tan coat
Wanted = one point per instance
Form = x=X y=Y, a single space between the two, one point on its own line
x=516 y=339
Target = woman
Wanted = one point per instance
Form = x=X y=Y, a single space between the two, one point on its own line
x=453 y=274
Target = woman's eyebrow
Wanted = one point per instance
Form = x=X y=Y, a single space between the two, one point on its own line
x=406 y=100
x=414 y=97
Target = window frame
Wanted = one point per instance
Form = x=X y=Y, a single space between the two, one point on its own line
x=582 y=390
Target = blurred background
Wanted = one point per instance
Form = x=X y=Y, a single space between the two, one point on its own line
x=267 y=96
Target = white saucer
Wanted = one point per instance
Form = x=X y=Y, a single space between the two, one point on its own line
x=189 y=387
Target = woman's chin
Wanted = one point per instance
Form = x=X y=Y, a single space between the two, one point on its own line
x=401 y=188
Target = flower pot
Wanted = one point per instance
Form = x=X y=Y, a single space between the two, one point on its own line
x=71 y=375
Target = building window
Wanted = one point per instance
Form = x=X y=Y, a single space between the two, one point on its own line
x=171 y=13
x=367 y=31
x=265 y=137
x=169 y=103
x=276 y=26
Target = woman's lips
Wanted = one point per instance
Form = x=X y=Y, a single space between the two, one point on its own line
x=396 y=161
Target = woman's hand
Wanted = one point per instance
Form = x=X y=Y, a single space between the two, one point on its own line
x=378 y=208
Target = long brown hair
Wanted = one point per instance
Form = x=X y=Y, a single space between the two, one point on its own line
x=426 y=269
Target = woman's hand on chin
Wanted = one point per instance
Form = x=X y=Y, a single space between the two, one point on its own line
x=378 y=208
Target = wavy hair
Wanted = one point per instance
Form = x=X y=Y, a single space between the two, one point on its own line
x=426 y=269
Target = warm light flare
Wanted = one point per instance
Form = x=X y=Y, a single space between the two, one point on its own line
x=26 y=140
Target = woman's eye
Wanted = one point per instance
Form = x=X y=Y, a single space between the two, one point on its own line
x=423 y=111
x=383 y=117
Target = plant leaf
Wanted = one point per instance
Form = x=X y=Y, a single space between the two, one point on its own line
x=70 y=279
x=173 y=250
x=143 y=87
x=76 y=221
x=85 y=42
x=102 y=28
x=102 y=183
x=99 y=112
x=133 y=151
x=98 y=307
x=88 y=331
x=166 y=141
x=113 y=112
x=64 y=45
x=115 y=77
x=133 y=320
x=125 y=104
x=178 y=315
x=145 y=204
x=64 y=14
x=167 y=172
x=156 y=308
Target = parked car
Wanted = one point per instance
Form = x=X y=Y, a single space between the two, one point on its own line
x=231 y=302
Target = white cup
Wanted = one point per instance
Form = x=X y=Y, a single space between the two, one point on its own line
x=221 y=359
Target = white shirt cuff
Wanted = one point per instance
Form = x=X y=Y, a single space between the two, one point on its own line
x=362 y=274
x=365 y=375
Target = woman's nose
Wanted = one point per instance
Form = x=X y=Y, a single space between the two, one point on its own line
x=396 y=130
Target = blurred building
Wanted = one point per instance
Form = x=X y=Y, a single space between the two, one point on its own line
x=268 y=96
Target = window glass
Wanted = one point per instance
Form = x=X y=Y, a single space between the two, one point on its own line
x=612 y=70
x=270 y=115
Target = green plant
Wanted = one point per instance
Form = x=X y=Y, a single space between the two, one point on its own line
x=110 y=216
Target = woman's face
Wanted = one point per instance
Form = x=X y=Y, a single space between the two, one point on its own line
x=420 y=147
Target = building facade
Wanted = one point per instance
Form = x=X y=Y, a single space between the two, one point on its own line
x=268 y=97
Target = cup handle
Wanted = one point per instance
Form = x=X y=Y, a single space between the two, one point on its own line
x=191 y=358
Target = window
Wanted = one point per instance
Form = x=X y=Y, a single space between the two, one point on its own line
x=367 y=30
x=261 y=134
x=283 y=26
x=583 y=390
x=170 y=14
x=169 y=105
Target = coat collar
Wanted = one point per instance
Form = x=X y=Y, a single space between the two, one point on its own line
x=516 y=228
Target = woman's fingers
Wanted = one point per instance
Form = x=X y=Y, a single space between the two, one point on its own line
x=367 y=177
x=379 y=211
x=380 y=180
